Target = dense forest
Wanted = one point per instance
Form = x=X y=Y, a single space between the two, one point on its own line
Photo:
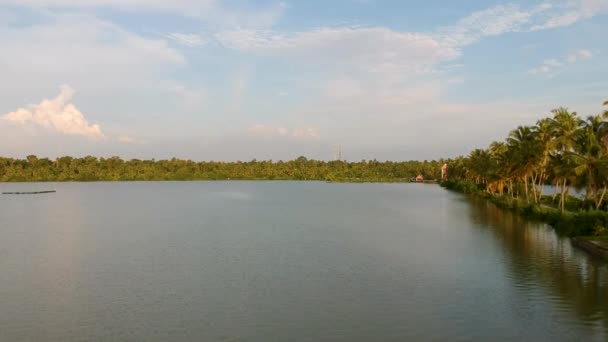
x=115 y=169
x=564 y=150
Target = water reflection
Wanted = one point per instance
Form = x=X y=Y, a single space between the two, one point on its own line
x=538 y=258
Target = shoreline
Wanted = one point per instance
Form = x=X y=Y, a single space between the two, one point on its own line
x=586 y=229
x=353 y=181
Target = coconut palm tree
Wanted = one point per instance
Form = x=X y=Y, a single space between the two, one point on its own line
x=562 y=172
x=545 y=136
x=566 y=125
x=590 y=159
x=499 y=167
x=478 y=165
x=525 y=154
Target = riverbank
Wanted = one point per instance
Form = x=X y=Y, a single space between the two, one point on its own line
x=587 y=228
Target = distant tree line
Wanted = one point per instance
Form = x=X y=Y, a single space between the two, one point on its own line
x=91 y=168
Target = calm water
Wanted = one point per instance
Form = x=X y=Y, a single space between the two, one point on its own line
x=286 y=261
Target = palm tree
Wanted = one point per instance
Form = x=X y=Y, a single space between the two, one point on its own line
x=590 y=158
x=566 y=125
x=545 y=135
x=562 y=172
x=498 y=174
x=525 y=154
x=477 y=166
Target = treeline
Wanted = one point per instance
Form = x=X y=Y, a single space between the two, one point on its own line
x=564 y=150
x=115 y=169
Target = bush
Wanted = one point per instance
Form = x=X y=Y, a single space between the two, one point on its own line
x=466 y=187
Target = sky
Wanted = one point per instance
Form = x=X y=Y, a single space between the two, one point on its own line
x=264 y=79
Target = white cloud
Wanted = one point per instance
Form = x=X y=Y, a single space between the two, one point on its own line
x=549 y=66
x=164 y=5
x=187 y=39
x=383 y=50
x=380 y=49
x=489 y=22
x=266 y=130
x=118 y=73
x=57 y=114
x=379 y=75
x=188 y=96
x=579 y=55
x=572 y=12
x=365 y=48
x=126 y=139
x=270 y=131
x=213 y=12
x=306 y=133
x=83 y=51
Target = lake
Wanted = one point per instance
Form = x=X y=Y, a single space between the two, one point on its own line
x=286 y=261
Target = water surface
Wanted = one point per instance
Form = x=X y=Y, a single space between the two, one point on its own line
x=286 y=261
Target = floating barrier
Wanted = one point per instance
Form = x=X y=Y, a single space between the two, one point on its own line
x=29 y=192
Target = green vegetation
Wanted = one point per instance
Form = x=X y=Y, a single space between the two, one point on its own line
x=565 y=151
x=572 y=222
x=116 y=169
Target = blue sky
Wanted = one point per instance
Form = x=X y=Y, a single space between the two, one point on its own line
x=237 y=80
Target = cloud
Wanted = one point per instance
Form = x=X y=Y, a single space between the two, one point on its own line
x=126 y=139
x=489 y=22
x=573 y=12
x=383 y=50
x=187 y=39
x=549 y=66
x=212 y=12
x=372 y=49
x=115 y=70
x=380 y=49
x=306 y=133
x=186 y=96
x=265 y=130
x=270 y=131
x=579 y=55
x=84 y=51
x=160 y=5
x=57 y=114
x=377 y=72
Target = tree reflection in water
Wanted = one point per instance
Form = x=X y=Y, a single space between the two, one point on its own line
x=575 y=281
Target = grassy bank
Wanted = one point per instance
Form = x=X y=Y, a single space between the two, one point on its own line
x=572 y=223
